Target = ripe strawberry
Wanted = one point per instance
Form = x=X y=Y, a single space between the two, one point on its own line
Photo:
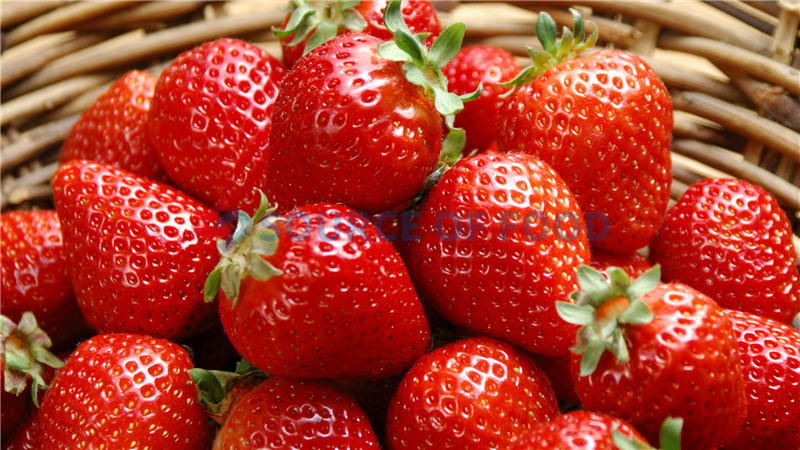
x=12 y=407
x=211 y=119
x=557 y=369
x=475 y=65
x=25 y=436
x=351 y=128
x=308 y=25
x=671 y=353
x=769 y=352
x=286 y=413
x=634 y=264
x=124 y=391
x=139 y=251
x=473 y=393
x=604 y=123
x=500 y=239
x=114 y=129
x=730 y=239
x=33 y=269
x=577 y=430
x=321 y=294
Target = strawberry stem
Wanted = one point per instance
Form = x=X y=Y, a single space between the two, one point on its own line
x=669 y=438
x=319 y=22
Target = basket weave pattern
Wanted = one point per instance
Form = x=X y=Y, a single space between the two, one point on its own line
x=731 y=68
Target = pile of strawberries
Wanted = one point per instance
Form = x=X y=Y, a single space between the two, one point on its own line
x=388 y=240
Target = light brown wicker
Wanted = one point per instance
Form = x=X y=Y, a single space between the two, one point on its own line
x=731 y=67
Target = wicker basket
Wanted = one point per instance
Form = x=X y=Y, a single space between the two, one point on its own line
x=731 y=68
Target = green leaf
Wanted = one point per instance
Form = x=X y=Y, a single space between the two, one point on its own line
x=325 y=31
x=209 y=386
x=474 y=95
x=546 y=32
x=670 y=435
x=618 y=278
x=244 y=225
x=211 y=288
x=619 y=347
x=393 y=18
x=645 y=283
x=447 y=103
x=264 y=242
x=263 y=208
x=592 y=283
x=414 y=75
x=230 y=279
x=447 y=45
x=222 y=246
x=348 y=4
x=260 y=269
x=299 y=17
x=625 y=443
x=578 y=29
x=453 y=145
x=591 y=356
x=392 y=52
x=244 y=367
x=566 y=44
x=607 y=328
x=412 y=47
x=637 y=313
x=353 y=21
x=17 y=362
x=574 y=314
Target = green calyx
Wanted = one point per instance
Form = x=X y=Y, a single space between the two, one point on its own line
x=320 y=21
x=243 y=254
x=601 y=308
x=25 y=351
x=214 y=386
x=424 y=68
x=572 y=43
x=670 y=437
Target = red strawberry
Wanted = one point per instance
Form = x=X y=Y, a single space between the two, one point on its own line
x=33 y=269
x=473 y=393
x=671 y=353
x=139 y=251
x=124 y=391
x=557 y=369
x=501 y=238
x=770 y=355
x=211 y=119
x=114 y=129
x=25 y=436
x=730 y=239
x=12 y=407
x=604 y=123
x=472 y=66
x=634 y=264
x=321 y=294
x=309 y=25
x=577 y=430
x=350 y=128
x=286 y=413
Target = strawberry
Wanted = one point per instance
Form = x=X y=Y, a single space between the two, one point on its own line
x=634 y=264
x=730 y=239
x=358 y=124
x=210 y=121
x=604 y=123
x=577 y=430
x=25 y=436
x=114 y=129
x=671 y=353
x=769 y=352
x=473 y=393
x=286 y=413
x=33 y=270
x=319 y=294
x=477 y=65
x=25 y=355
x=139 y=251
x=557 y=369
x=500 y=239
x=310 y=24
x=124 y=391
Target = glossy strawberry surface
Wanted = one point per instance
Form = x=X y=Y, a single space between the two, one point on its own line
x=349 y=128
x=139 y=251
x=770 y=355
x=731 y=240
x=124 y=391
x=501 y=237
x=342 y=306
x=634 y=264
x=476 y=64
x=604 y=123
x=419 y=15
x=287 y=413
x=577 y=430
x=684 y=363
x=34 y=264
x=114 y=129
x=210 y=121
x=475 y=393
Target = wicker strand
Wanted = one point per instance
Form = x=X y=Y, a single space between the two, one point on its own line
x=31 y=143
x=16 y=12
